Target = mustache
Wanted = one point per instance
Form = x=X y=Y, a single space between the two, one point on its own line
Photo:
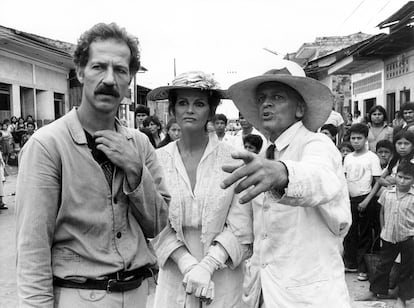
x=107 y=91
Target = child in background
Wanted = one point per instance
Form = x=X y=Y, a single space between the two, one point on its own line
x=397 y=224
x=404 y=151
x=330 y=130
x=253 y=143
x=3 y=206
x=345 y=148
x=384 y=150
x=361 y=168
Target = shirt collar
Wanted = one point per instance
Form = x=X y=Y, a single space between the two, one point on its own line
x=78 y=134
x=287 y=136
x=394 y=190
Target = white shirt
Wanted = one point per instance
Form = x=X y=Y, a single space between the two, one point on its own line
x=238 y=140
x=335 y=118
x=296 y=259
x=359 y=170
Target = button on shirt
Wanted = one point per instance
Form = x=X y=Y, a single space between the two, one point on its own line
x=70 y=222
x=398 y=215
x=297 y=234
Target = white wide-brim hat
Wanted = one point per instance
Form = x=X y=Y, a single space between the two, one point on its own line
x=318 y=97
x=189 y=80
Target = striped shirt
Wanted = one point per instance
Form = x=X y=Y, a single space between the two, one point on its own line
x=398 y=215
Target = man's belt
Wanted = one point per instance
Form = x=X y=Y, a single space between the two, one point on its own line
x=115 y=282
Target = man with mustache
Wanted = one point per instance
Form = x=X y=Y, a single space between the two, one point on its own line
x=90 y=191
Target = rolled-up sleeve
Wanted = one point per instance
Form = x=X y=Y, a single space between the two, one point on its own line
x=37 y=203
x=150 y=199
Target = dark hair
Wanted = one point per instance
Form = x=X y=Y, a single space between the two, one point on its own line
x=213 y=99
x=221 y=117
x=359 y=128
x=332 y=129
x=167 y=138
x=346 y=144
x=154 y=119
x=380 y=109
x=147 y=132
x=142 y=109
x=407 y=168
x=254 y=140
x=404 y=134
x=103 y=32
x=30 y=123
x=385 y=143
x=13 y=118
x=406 y=106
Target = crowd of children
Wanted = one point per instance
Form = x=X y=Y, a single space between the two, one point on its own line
x=14 y=133
x=382 y=204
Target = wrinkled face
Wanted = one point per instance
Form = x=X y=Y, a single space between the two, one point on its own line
x=249 y=147
x=403 y=147
x=278 y=109
x=106 y=76
x=191 y=109
x=408 y=116
x=377 y=117
x=384 y=155
x=357 y=141
x=345 y=151
x=244 y=123
x=174 y=132
x=404 y=181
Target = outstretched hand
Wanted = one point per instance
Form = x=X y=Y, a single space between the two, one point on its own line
x=255 y=173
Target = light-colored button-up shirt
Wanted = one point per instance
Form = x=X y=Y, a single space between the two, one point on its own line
x=198 y=218
x=70 y=223
x=296 y=246
x=398 y=215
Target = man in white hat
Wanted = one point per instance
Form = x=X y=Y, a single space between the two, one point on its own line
x=300 y=201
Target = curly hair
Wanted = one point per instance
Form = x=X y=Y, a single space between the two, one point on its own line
x=104 y=31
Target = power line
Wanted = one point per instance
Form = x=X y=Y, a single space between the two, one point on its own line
x=353 y=12
x=375 y=15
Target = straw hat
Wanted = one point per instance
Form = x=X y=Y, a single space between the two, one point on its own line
x=318 y=97
x=189 y=80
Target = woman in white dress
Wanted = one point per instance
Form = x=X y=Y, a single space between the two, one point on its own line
x=201 y=251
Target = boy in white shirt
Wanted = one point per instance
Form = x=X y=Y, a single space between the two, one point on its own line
x=361 y=168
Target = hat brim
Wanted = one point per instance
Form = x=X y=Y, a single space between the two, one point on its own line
x=318 y=98
x=162 y=93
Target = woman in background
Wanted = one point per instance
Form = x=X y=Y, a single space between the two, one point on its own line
x=378 y=128
x=173 y=132
x=155 y=127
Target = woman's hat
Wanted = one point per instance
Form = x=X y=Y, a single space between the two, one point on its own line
x=189 y=80
x=318 y=97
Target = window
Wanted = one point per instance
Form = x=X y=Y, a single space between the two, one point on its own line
x=4 y=96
